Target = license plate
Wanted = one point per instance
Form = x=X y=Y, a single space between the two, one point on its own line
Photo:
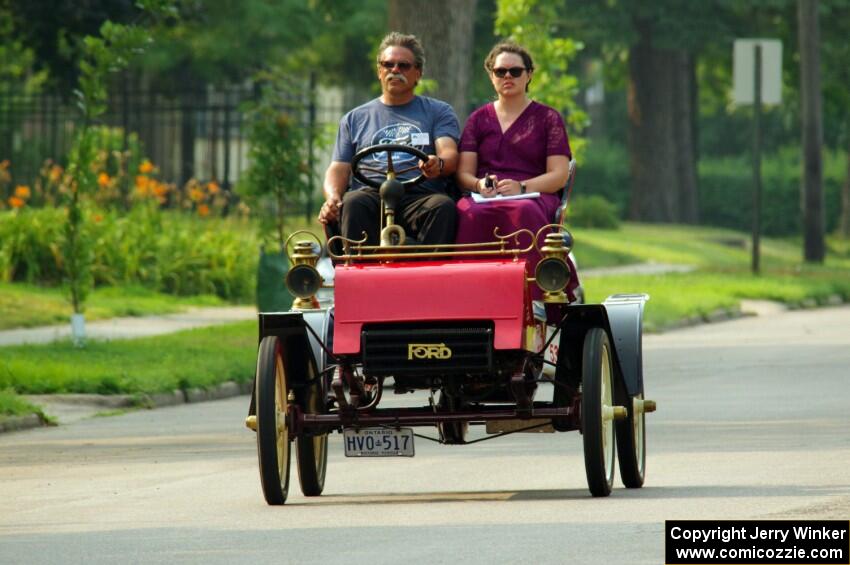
x=378 y=442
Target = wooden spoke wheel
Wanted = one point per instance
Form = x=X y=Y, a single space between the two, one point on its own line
x=597 y=418
x=631 y=444
x=311 y=451
x=272 y=409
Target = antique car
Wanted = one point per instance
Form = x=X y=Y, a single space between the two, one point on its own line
x=479 y=353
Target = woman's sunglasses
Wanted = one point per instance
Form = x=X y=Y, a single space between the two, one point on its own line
x=514 y=72
x=403 y=66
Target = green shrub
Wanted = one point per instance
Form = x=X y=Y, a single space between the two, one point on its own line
x=605 y=172
x=593 y=212
x=30 y=243
x=725 y=187
x=164 y=251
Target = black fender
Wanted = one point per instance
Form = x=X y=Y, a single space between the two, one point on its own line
x=621 y=315
x=303 y=336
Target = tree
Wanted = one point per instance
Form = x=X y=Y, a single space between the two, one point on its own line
x=812 y=129
x=445 y=28
x=55 y=31
x=835 y=53
x=660 y=43
x=110 y=50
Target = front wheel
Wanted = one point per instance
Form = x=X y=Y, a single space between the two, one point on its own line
x=272 y=409
x=597 y=424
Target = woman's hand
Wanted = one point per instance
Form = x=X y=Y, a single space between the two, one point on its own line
x=508 y=187
x=488 y=189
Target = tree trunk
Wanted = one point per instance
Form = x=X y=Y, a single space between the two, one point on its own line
x=684 y=112
x=445 y=28
x=812 y=125
x=844 y=228
x=662 y=150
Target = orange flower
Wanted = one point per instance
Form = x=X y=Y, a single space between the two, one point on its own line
x=212 y=187
x=22 y=191
x=146 y=167
x=203 y=210
x=97 y=218
x=159 y=189
x=55 y=173
x=103 y=180
x=196 y=194
x=16 y=202
x=142 y=184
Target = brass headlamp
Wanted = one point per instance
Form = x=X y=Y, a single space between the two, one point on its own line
x=553 y=273
x=303 y=279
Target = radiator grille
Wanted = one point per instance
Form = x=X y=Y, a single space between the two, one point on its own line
x=416 y=349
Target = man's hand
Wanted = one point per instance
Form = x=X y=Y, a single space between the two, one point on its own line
x=431 y=168
x=330 y=210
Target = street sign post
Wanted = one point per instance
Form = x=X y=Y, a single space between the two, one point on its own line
x=757 y=73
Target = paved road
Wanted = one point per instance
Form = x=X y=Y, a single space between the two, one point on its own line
x=752 y=423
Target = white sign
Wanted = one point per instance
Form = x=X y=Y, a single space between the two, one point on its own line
x=743 y=71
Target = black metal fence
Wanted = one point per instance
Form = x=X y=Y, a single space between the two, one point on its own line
x=187 y=134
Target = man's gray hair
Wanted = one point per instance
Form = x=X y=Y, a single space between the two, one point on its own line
x=396 y=39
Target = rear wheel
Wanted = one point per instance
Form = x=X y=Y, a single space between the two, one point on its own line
x=311 y=454
x=597 y=412
x=631 y=444
x=453 y=433
x=272 y=408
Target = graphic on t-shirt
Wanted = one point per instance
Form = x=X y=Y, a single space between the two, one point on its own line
x=398 y=134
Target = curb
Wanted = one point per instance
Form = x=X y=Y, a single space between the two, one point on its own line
x=227 y=389
x=25 y=422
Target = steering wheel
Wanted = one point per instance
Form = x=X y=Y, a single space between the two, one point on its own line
x=357 y=167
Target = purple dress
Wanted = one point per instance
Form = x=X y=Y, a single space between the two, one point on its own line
x=520 y=154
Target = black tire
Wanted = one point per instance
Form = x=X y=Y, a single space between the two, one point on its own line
x=272 y=434
x=311 y=455
x=596 y=422
x=631 y=445
x=454 y=433
x=311 y=452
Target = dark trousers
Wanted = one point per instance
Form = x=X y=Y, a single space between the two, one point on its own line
x=427 y=218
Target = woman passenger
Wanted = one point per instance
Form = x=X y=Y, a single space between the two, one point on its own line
x=521 y=146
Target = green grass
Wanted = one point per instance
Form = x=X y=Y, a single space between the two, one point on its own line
x=195 y=358
x=722 y=277
x=679 y=296
x=710 y=248
x=25 y=305
x=13 y=405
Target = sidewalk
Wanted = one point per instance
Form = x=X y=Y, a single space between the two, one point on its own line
x=132 y=326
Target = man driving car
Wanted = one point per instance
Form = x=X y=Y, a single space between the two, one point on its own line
x=398 y=116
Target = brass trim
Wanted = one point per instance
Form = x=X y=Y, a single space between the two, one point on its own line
x=290 y=238
x=559 y=228
x=359 y=252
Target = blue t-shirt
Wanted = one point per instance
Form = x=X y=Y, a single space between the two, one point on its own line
x=417 y=123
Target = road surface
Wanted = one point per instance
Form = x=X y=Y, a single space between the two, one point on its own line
x=753 y=422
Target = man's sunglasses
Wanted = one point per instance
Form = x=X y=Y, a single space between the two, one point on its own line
x=403 y=66
x=514 y=72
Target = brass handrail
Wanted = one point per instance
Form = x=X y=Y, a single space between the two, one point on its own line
x=359 y=252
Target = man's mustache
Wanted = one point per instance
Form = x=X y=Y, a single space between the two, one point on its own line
x=401 y=77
